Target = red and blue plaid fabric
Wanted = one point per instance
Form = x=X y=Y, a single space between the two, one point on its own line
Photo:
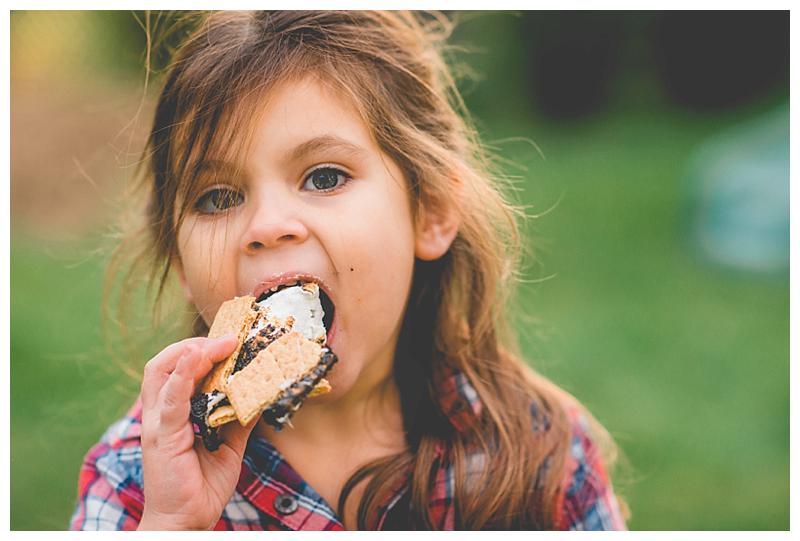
x=270 y=495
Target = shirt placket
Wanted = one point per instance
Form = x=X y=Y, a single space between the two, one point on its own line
x=278 y=493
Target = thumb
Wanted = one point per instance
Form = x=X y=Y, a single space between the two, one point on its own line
x=235 y=435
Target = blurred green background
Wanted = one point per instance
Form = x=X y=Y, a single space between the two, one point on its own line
x=652 y=149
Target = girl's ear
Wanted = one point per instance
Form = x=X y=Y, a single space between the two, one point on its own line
x=435 y=229
x=176 y=264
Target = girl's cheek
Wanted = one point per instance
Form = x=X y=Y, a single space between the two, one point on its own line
x=204 y=251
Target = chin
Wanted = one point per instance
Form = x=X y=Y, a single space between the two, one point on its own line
x=342 y=380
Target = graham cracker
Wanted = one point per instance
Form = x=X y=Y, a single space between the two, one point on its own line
x=255 y=386
x=296 y=355
x=221 y=415
x=234 y=316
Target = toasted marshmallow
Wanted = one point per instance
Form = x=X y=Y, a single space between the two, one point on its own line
x=298 y=308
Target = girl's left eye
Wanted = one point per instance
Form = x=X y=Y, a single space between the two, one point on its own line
x=325 y=179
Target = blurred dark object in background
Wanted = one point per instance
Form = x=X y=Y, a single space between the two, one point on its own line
x=572 y=58
x=702 y=60
x=720 y=59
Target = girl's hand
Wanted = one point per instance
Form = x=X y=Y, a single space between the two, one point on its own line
x=186 y=486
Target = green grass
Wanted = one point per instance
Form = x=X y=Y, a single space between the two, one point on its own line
x=54 y=358
x=685 y=363
x=66 y=387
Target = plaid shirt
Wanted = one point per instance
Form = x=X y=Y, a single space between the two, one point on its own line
x=270 y=495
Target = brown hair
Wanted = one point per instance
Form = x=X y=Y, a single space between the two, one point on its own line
x=391 y=66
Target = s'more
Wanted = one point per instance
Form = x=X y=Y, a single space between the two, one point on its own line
x=280 y=360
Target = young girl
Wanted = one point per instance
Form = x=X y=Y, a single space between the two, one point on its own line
x=328 y=146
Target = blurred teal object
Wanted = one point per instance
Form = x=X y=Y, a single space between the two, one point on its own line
x=741 y=178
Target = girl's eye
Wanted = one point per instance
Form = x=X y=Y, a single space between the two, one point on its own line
x=325 y=179
x=218 y=200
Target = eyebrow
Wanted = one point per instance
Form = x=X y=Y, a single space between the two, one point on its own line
x=324 y=143
x=315 y=145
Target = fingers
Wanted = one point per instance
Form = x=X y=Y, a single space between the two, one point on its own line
x=173 y=400
x=158 y=369
x=169 y=382
x=215 y=350
x=203 y=352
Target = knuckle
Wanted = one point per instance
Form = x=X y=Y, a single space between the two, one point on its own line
x=148 y=440
x=188 y=343
x=191 y=349
x=169 y=403
x=149 y=368
x=148 y=437
x=156 y=438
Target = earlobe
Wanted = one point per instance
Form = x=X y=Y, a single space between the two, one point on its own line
x=436 y=228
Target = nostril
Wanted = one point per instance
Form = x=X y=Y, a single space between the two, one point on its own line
x=257 y=245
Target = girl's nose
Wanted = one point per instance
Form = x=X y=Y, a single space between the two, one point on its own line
x=271 y=226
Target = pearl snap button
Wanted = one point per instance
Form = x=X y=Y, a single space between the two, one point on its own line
x=285 y=504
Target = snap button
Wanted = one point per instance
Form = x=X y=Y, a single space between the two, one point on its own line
x=458 y=406
x=285 y=504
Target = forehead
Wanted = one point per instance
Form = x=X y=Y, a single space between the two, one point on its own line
x=277 y=122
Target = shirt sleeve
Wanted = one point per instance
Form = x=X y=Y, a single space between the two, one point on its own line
x=588 y=499
x=110 y=496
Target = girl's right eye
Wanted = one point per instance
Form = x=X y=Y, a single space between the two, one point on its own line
x=218 y=200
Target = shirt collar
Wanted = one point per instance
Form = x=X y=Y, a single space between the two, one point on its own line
x=457 y=397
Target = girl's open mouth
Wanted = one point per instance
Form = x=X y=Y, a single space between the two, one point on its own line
x=328 y=311
x=325 y=301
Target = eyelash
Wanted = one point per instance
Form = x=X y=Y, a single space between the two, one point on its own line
x=220 y=192
x=332 y=168
x=214 y=195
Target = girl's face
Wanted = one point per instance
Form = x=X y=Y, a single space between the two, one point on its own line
x=317 y=198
